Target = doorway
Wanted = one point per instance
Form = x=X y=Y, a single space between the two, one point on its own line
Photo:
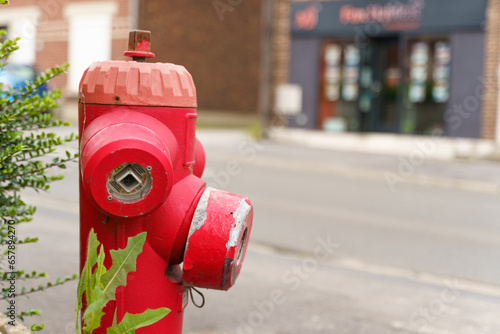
x=380 y=85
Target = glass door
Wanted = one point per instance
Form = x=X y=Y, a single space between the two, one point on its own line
x=380 y=80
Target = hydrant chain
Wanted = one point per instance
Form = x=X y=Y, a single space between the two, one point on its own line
x=191 y=288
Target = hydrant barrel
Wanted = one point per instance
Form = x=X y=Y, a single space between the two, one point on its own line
x=140 y=171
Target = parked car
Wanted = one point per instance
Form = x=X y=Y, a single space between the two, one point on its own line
x=16 y=75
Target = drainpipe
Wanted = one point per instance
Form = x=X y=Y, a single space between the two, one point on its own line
x=265 y=66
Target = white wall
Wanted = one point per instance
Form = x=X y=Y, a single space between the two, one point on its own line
x=90 y=28
x=22 y=22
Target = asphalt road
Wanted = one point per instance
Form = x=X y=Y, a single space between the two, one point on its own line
x=338 y=246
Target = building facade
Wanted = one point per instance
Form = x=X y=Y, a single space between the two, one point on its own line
x=67 y=31
x=405 y=66
x=408 y=66
x=217 y=41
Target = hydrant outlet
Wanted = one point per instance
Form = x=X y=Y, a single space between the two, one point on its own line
x=217 y=240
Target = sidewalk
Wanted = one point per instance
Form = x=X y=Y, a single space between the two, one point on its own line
x=436 y=148
x=393 y=164
x=348 y=295
x=206 y=118
x=466 y=164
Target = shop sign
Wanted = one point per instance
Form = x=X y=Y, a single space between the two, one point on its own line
x=390 y=16
x=347 y=17
x=307 y=19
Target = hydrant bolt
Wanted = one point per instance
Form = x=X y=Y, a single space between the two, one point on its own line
x=139 y=45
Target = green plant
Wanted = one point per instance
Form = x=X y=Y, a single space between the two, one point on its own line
x=24 y=163
x=99 y=286
x=255 y=131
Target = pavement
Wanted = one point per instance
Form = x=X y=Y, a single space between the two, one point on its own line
x=343 y=242
x=395 y=167
x=418 y=241
x=434 y=147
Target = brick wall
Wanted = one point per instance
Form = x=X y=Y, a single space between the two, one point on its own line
x=52 y=33
x=53 y=53
x=121 y=29
x=222 y=52
x=491 y=62
x=281 y=42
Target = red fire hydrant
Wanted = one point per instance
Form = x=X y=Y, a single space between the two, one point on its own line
x=140 y=168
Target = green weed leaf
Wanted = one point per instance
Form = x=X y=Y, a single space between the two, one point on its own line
x=93 y=314
x=131 y=322
x=99 y=285
x=84 y=285
x=124 y=261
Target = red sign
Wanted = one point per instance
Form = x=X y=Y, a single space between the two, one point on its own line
x=307 y=19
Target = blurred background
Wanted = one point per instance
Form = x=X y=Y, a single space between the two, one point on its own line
x=365 y=132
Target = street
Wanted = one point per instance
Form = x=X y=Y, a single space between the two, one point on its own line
x=341 y=243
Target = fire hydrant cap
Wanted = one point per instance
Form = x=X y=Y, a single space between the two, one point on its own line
x=217 y=240
x=137 y=84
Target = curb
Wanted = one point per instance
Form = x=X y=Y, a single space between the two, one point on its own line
x=5 y=328
x=433 y=147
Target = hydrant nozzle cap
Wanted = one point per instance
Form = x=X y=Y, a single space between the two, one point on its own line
x=139 y=45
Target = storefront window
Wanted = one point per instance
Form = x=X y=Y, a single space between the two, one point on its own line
x=340 y=87
x=392 y=84
x=427 y=85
